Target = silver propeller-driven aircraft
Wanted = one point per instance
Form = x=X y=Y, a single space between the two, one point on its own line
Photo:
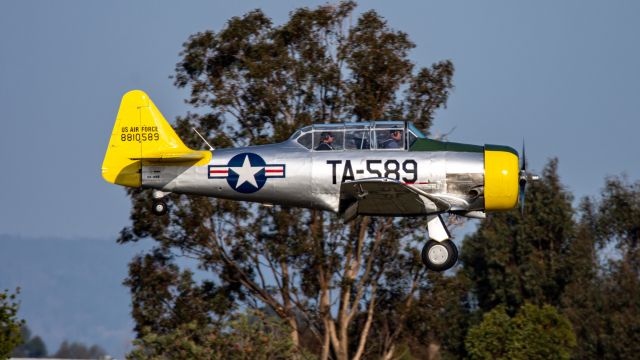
x=381 y=168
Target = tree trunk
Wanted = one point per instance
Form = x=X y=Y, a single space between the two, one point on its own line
x=434 y=350
x=295 y=338
x=389 y=353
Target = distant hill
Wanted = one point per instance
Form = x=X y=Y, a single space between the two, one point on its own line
x=71 y=289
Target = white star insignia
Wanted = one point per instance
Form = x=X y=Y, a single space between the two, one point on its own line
x=247 y=173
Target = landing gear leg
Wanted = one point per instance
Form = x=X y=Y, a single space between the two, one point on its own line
x=159 y=206
x=439 y=253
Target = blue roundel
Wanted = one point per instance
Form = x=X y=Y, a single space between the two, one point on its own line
x=246 y=173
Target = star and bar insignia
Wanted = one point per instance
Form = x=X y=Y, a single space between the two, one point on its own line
x=246 y=172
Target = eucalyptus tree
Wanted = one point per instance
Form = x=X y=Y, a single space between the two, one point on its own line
x=254 y=82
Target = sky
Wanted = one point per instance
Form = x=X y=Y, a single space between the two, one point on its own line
x=563 y=75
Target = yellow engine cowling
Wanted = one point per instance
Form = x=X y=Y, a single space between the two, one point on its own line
x=500 y=178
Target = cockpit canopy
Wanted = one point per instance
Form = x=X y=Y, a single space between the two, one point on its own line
x=373 y=135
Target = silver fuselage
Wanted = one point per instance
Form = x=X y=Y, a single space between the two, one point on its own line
x=312 y=179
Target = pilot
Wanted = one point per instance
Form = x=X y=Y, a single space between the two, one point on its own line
x=394 y=141
x=326 y=139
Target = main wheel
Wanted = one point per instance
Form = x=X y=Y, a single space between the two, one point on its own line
x=159 y=208
x=439 y=255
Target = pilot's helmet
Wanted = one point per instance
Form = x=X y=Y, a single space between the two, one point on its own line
x=326 y=134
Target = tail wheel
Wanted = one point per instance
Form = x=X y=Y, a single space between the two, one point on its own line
x=439 y=255
x=159 y=208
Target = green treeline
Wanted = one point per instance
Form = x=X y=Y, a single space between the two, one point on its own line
x=34 y=347
x=582 y=262
x=278 y=282
x=17 y=341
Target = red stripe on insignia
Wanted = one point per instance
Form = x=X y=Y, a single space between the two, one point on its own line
x=218 y=171
x=274 y=171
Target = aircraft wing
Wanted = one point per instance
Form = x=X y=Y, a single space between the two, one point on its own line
x=384 y=196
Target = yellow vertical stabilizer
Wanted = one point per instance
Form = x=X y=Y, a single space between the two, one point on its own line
x=140 y=134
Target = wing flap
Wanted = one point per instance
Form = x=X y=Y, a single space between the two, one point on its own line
x=383 y=196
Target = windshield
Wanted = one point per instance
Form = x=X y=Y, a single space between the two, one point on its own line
x=364 y=135
x=415 y=130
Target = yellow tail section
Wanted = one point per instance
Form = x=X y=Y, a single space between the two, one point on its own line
x=140 y=136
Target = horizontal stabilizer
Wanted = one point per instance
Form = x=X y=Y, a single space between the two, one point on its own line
x=173 y=158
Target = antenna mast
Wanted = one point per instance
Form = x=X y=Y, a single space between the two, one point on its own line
x=203 y=139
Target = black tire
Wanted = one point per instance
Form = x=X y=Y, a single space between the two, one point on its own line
x=444 y=254
x=159 y=208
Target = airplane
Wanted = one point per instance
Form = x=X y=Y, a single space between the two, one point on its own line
x=376 y=168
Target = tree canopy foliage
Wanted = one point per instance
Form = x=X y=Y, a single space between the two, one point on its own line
x=10 y=335
x=534 y=333
x=246 y=336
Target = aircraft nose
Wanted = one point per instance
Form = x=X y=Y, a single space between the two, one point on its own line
x=500 y=177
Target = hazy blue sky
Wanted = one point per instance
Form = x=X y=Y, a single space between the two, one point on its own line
x=562 y=74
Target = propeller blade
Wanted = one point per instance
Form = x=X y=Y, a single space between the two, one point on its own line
x=522 y=181
x=523 y=165
x=521 y=201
